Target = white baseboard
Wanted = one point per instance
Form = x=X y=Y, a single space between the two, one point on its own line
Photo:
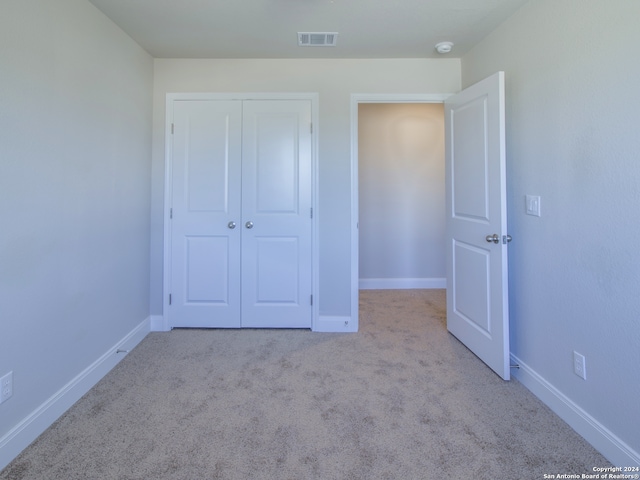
x=322 y=324
x=401 y=283
x=326 y=323
x=27 y=430
x=158 y=324
x=602 y=439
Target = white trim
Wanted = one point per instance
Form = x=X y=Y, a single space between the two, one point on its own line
x=168 y=193
x=401 y=283
x=602 y=439
x=357 y=98
x=400 y=97
x=158 y=324
x=335 y=324
x=315 y=234
x=243 y=96
x=27 y=430
x=315 y=116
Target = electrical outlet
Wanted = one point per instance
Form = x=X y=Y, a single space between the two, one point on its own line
x=579 y=365
x=6 y=387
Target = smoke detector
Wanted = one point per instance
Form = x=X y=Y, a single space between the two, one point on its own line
x=444 y=47
x=317 y=39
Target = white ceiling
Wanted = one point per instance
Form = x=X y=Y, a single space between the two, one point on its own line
x=268 y=28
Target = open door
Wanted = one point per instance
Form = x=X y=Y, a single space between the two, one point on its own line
x=477 y=239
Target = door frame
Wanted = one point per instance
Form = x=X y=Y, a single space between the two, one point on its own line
x=356 y=99
x=170 y=99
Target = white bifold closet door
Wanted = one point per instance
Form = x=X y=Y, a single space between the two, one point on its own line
x=241 y=223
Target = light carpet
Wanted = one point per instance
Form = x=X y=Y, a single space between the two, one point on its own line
x=401 y=399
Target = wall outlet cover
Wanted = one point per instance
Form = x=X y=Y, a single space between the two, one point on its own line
x=579 y=365
x=6 y=387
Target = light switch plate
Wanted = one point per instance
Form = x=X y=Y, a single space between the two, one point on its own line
x=532 y=204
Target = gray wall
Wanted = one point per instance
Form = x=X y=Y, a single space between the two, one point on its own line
x=334 y=81
x=75 y=136
x=75 y=150
x=401 y=195
x=573 y=117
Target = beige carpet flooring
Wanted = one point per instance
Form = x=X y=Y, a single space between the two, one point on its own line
x=401 y=399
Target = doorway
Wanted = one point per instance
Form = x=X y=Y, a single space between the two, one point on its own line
x=407 y=282
x=475 y=136
x=402 y=195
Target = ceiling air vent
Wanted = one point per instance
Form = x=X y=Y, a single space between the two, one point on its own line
x=317 y=39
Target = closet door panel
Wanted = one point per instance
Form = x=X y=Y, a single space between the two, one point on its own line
x=276 y=214
x=205 y=252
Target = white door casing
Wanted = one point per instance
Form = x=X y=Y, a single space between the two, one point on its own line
x=477 y=238
x=226 y=168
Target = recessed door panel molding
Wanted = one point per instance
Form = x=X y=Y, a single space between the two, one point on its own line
x=477 y=273
x=207 y=270
x=240 y=188
x=277 y=265
x=276 y=155
x=471 y=284
x=470 y=161
x=206 y=154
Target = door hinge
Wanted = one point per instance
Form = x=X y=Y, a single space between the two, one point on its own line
x=312 y=300
x=171 y=213
x=169 y=299
x=311 y=127
x=311 y=212
x=172 y=129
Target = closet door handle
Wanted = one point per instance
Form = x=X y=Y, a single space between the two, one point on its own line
x=231 y=225
x=249 y=225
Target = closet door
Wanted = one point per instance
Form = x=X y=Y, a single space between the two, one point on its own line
x=276 y=214
x=241 y=214
x=206 y=214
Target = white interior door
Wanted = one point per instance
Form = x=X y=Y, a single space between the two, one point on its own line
x=205 y=252
x=477 y=240
x=241 y=228
x=276 y=214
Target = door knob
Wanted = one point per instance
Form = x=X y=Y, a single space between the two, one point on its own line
x=249 y=224
x=493 y=238
x=231 y=225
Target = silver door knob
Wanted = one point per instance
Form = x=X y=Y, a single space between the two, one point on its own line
x=249 y=224
x=493 y=238
x=231 y=225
